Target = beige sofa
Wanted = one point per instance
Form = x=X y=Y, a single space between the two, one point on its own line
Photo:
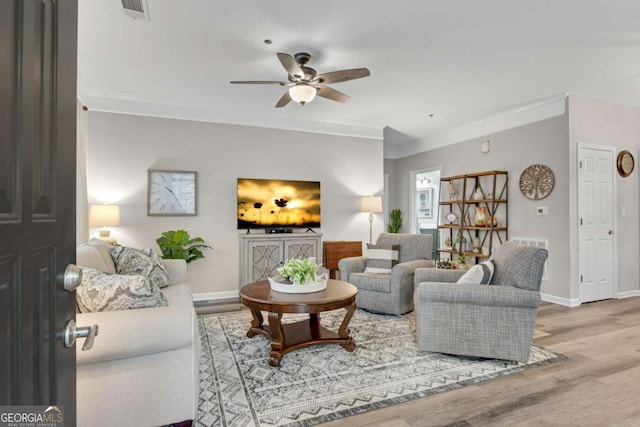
x=143 y=369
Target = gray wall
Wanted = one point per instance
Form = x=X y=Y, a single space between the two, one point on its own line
x=122 y=147
x=552 y=142
x=512 y=150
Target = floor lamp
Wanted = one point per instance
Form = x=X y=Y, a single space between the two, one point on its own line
x=371 y=204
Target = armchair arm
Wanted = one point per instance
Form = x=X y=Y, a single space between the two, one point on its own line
x=491 y=295
x=399 y=271
x=351 y=265
x=177 y=269
x=437 y=275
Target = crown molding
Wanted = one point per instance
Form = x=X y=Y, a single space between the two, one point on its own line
x=135 y=104
x=534 y=112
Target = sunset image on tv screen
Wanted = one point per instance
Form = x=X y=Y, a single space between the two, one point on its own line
x=270 y=203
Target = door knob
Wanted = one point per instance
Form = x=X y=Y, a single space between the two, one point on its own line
x=610 y=232
x=72 y=331
x=72 y=277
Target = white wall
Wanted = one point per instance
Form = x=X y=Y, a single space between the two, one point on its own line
x=513 y=150
x=122 y=147
x=602 y=123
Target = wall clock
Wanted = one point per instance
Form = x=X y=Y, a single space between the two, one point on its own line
x=537 y=182
x=171 y=193
x=625 y=163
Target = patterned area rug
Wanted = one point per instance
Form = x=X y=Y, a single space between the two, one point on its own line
x=323 y=383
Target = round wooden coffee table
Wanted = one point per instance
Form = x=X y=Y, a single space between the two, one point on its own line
x=287 y=337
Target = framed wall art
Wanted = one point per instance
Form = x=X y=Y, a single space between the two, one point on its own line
x=537 y=182
x=171 y=193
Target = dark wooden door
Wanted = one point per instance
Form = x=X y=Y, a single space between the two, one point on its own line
x=37 y=201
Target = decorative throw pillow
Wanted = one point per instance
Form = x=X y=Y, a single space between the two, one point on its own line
x=145 y=262
x=479 y=274
x=381 y=259
x=108 y=292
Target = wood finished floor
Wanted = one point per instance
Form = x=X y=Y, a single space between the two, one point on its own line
x=598 y=386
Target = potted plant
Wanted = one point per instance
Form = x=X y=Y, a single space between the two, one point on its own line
x=179 y=245
x=462 y=261
x=396 y=221
x=299 y=271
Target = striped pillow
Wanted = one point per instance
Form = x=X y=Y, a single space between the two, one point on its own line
x=381 y=259
x=479 y=274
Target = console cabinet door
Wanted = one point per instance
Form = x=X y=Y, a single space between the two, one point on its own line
x=264 y=258
x=301 y=248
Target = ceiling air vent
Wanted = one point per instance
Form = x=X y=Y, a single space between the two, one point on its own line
x=137 y=9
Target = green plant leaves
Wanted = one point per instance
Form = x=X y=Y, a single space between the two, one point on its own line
x=297 y=270
x=396 y=221
x=177 y=244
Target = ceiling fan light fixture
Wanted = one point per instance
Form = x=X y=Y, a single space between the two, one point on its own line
x=302 y=93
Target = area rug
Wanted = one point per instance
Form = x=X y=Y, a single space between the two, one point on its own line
x=323 y=383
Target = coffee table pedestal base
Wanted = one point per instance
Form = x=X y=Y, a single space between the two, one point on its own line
x=292 y=336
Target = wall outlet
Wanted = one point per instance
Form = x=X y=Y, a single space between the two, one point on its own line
x=541 y=210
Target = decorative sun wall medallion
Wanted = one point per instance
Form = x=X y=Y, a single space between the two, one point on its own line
x=536 y=182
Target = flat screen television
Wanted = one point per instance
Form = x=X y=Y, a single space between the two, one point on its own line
x=276 y=204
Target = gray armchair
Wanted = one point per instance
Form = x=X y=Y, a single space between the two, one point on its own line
x=389 y=293
x=492 y=321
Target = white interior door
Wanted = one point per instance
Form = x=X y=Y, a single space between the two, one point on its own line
x=596 y=223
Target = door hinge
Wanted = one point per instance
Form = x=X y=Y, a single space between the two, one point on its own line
x=580 y=162
x=581 y=278
x=580 y=221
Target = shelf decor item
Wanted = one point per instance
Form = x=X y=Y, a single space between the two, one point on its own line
x=171 y=193
x=537 y=182
x=481 y=216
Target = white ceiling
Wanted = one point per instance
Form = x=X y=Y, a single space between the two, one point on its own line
x=462 y=61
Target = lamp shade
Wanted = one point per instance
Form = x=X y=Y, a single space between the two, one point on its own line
x=371 y=204
x=104 y=215
x=302 y=93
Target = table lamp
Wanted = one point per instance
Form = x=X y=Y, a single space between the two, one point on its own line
x=105 y=216
x=371 y=204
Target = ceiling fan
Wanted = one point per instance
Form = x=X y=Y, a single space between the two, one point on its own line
x=304 y=83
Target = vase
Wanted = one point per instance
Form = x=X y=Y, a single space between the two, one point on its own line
x=481 y=216
x=476 y=244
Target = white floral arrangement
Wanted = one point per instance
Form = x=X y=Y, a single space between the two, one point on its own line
x=299 y=271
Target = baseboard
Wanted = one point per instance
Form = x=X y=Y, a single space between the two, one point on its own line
x=628 y=294
x=216 y=296
x=560 y=301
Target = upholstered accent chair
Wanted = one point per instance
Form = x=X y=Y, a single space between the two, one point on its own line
x=389 y=293
x=493 y=321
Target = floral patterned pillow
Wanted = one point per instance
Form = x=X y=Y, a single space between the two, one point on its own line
x=100 y=291
x=145 y=262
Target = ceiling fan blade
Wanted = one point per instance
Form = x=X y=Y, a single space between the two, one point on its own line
x=286 y=98
x=343 y=75
x=289 y=63
x=332 y=94
x=259 y=82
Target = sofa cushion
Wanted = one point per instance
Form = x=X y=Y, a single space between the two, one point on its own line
x=145 y=262
x=106 y=292
x=479 y=274
x=381 y=259
x=377 y=282
x=88 y=256
x=103 y=250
